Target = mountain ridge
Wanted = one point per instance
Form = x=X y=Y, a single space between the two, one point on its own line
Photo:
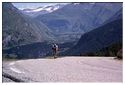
x=20 y=29
x=98 y=39
x=72 y=18
x=34 y=12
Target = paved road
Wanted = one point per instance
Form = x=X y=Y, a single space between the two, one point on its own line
x=66 y=69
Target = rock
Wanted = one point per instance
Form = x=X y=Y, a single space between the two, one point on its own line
x=119 y=54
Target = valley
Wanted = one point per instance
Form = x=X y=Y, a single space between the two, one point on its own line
x=77 y=28
x=88 y=35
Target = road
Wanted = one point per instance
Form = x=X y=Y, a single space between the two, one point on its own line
x=65 y=69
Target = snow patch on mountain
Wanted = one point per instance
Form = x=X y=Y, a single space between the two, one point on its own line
x=44 y=8
x=76 y=3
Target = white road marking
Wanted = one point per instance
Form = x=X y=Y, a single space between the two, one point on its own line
x=13 y=68
x=12 y=63
x=16 y=70
x=18 y=61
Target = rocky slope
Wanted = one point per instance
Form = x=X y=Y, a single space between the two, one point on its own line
x=20 y=29
x=75 y=19
x=99 y=38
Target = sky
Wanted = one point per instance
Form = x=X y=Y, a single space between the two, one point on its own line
x=32 y=5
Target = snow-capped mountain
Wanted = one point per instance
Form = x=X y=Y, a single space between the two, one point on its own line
x=42 y=10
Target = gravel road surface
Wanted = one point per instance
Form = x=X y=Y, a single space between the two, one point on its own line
x=65 y=69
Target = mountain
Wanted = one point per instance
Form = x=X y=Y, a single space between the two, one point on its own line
x=42 y=10
x=100 y=25
x=19 y=29
x=75 y=19
x=106 y=38
x=117 y=15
